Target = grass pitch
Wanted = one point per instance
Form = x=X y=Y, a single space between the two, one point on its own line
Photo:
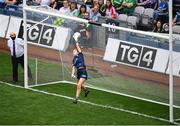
x=21 y=106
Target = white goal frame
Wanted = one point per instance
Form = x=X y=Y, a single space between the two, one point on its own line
x=170 y=37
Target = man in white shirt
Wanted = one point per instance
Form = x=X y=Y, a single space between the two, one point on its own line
x=16 y=46
x=65 y=9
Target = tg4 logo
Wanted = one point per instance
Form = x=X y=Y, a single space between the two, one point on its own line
x=136 y=55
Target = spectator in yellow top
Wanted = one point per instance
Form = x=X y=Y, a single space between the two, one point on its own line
x=83 y=12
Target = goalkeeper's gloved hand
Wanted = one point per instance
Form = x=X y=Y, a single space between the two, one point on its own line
x=73 y=76
x=76 y=36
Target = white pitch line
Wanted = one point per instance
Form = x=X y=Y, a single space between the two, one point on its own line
x=49 y=83
x=103 y=106
x=177 y=119
x=12 y=85
x=93 y=104
x=109 y=91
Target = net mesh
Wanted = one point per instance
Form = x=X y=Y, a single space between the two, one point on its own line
x=102 y=74
x=118 y=76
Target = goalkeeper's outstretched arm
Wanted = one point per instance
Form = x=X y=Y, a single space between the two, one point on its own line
x=78 y=47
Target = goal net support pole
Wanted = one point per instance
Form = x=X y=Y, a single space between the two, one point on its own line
x=25 y=45
x=171 y=64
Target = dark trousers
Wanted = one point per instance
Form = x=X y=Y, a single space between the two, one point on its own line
x=15 y=62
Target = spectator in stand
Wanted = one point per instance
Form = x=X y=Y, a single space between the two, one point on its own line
x=92 y=30
x=53 y=4
x=2 y=3
x=144 y=3
x=176 y=20
x=45 y=2
x=154 y=4
x=65 y=9
x=94 y=13
x=117 y=4
x=158 y=27
x=162 y=12
x=73 y=9
x=89 y=3
x=57 y=4
x=110 y=10
x=176 y=6
x=95 y=2
x=83 y=12
x=102 y=7
x=13 y=2
x=128 y=6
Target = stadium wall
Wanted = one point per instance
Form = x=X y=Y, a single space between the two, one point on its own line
x=3 y=44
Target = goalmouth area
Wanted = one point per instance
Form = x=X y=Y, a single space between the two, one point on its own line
x=52 y=104
x=128 y=73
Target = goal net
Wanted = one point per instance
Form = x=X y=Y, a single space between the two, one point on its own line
x=119 y=60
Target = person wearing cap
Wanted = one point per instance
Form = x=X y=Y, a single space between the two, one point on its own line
x=16 y=46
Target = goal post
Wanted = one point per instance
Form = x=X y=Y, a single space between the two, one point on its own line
x=25 y=45
x=171 y=118
x=106 y=61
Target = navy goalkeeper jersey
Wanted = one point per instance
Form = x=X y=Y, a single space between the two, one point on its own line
x=78 y=61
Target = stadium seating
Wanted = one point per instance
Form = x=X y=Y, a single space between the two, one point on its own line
x=132 y=22
x=123 y=20
x=123 y=17
x=13 y=10
x=147 y=17
x=176 y=29
x=138 y=11
x=153 y=42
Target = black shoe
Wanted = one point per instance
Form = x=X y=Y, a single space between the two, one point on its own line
x=86 y=93
x=75 y=101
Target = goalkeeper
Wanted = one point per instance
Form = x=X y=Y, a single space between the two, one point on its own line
x=80 y=67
